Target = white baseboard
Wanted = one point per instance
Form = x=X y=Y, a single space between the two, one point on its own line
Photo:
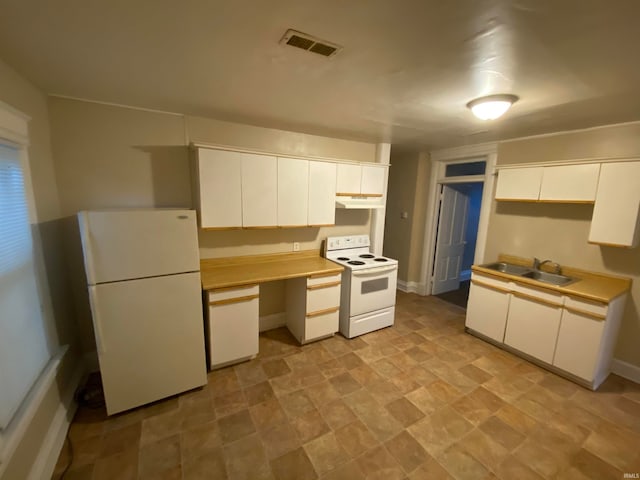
x=91 y=362
x=410 y=287
x=45 y=462
x=626 y=370
x=269 y=322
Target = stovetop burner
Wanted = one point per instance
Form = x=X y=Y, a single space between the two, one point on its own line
x=355 y=262
x=343 y=259
x=366 y=255
x=381 y=260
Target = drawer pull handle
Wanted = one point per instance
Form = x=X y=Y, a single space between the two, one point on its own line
x=323 y=285
x=323 y=275
x=492 y=287
x=227 y=301
x=596 y=316
x=537 y=300
x=317 y=313
x=237 y=287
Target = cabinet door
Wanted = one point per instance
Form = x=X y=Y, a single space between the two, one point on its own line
x=219 y=183
x=519 y=184
x=532 y=326
x=372 y=180
x=570 y=183
x=615 y=213
x=349 y=179
x=487 y=309
x=579 y=343
x=259 y=191
x=293 y=192
x=322 y=193
x=233 y=326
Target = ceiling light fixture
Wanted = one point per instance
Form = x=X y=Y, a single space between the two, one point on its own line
x=492 y=106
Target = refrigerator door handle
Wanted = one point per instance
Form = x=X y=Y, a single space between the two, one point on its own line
x=97 y=325
x=85 y=238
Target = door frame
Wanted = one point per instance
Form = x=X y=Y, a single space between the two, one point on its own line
x=439 y=160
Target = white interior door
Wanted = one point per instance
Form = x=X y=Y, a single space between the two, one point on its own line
x=450 y=242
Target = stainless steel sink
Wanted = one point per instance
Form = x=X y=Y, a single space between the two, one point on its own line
x=552 y=278
x=508 y=268
x=526 y=272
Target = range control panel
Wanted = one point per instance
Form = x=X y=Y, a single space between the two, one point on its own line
x=342 y=243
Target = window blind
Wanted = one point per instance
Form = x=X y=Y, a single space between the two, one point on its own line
x=23 y=345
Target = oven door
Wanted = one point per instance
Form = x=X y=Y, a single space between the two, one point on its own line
x=373 y=289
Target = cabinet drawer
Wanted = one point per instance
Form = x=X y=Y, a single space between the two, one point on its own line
x=539 y=295
x=322 y=278
x=596 y=310
x=323 y=297
x=232 y=293
x=489 y=281
x=323 y=325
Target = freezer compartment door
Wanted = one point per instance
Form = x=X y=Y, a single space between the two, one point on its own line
x=150 y=338
x=129 y=244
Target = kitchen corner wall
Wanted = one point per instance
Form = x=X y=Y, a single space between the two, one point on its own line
x=560 y=232
x=110 y=156
x=407 y=192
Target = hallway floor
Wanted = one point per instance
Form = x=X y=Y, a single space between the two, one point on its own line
x=418 y=400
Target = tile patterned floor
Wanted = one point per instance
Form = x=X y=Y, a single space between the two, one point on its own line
x=420 y=400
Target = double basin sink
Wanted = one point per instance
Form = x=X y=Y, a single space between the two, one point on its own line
x=534 y=274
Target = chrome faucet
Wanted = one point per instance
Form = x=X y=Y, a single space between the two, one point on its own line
x=537 y=264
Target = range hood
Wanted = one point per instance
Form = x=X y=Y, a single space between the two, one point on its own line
x=359 y=202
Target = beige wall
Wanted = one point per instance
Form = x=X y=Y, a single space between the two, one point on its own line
x=407 y=192
x=613 y=141
x=108 y=156
x=58 y=310
x=560 y=232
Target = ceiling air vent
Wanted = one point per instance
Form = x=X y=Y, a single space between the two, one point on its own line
x=310 y=44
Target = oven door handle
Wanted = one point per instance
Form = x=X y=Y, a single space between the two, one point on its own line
x=373 y=271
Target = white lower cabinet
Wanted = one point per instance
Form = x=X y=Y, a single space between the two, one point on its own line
x=587 y=338
x=532 y=325
x=488 y=306
x=575 y=335
x=232 y=324
x=313 y=307
x=579 y=344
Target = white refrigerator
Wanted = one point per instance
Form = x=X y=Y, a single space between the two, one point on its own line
x=143 y=276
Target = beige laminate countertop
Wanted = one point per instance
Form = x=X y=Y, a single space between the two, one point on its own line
x=253 y=269
x=597 y=287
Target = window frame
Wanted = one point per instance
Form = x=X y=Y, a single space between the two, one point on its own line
x=14 y=133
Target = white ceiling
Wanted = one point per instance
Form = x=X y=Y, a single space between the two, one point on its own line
x=406 y=72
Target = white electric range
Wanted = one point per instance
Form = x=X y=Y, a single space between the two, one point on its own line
x=368 y=296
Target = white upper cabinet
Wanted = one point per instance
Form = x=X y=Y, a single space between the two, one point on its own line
x=322 y=193
x=293 y=192
x=519 y=183
x=372 y=180
x=615 y=213
x=219 y=181
x=353 y=180
x=570 y=183
x=259 y=190
x=349 y=179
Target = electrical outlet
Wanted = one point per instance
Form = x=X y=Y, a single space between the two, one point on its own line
x=296 y=246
